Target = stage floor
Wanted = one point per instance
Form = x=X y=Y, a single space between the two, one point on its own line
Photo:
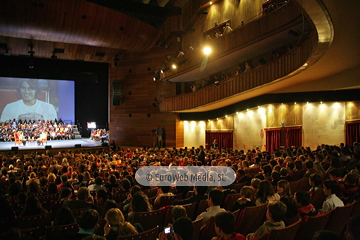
x=85 y=142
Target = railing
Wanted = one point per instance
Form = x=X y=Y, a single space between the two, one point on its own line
x=283 y=18
x=231 y=87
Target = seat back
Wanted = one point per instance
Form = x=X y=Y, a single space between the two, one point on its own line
x=77 y=212
x=250 y=219
x=237 y=186
x=230 y=200
x=148 y=220
x=151 y=192
x=305 y=185
x=40 y=221
x=295 y=186
x=236 y=214
x=356 y=210
x=167 y=200
x=338 y=218
x=151 y=234
x=308 y=228
x=208 y=232
x=190 y=209
x=61 y=232
x=318 y=198
x=202 y=206
x=287 y=233
x=197 y=226
x=120 y=197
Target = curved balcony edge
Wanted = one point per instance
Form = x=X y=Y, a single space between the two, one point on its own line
x=279 y=69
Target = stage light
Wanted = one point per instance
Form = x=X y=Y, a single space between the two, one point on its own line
x=161 y=71
x=237 y=113
x=208 y=120
x=226 y=116
x=156 y=78
x=174 y=66
x=295 y=103
x=207 y=50
x=321 y=102
x=217 y=118
x=210 y=2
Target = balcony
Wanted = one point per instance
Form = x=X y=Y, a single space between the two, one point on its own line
x=281 y=68
x=229 y=47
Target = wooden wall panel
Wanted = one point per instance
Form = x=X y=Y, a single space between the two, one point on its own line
x=140 y=97
x=236 y=11
x=352 y=111
x=225 y=123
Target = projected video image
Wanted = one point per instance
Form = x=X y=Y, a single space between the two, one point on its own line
x=36 y=99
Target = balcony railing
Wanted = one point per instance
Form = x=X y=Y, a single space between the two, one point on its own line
x=283 y=18
x=274 y=70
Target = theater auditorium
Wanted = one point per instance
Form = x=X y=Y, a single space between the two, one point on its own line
x=100 y=97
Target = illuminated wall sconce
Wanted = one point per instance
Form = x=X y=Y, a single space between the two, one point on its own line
x=282 y=124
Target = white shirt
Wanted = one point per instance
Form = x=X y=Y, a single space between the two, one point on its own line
x=331 y=203
x=210 y=212
x=270 y=199
x=39 y=111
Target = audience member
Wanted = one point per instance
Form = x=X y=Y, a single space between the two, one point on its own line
x=215 y=198
x=266 y=193
x=332 y=201
x=224 y=227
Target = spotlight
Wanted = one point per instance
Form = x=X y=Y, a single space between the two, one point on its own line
x=216 y=83
x=156 y=78
x=174 y=66
x=207 y=50
x=210 y=2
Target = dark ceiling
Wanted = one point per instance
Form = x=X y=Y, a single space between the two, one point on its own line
x=150 y=13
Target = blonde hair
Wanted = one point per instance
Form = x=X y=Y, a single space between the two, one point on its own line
x=245 y=192
x=51 y=177
x=115 y=218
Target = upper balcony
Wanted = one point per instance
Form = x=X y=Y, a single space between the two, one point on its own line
x=255 y=36
x=281 y=68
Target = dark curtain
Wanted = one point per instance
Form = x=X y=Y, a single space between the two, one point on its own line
x=224 y=139
x=272 y=139
x=294 y=137
x=352 y=132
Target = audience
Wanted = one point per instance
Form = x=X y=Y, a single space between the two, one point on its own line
x=215 y=198
x=274 y=215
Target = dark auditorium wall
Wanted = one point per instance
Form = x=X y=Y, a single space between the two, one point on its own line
x=140 y=96
x=91 y=83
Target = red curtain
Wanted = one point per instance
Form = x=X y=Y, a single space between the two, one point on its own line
x=293 y=137
x=224 y=139
x=352 y=132
x=272 y=139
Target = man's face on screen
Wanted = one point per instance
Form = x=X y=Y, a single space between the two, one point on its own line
x=27 y=93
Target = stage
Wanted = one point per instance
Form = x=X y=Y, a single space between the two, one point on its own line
x=55 y=144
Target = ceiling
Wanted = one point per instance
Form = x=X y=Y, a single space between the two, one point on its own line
x=89 y=30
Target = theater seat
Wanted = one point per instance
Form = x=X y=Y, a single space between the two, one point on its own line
x=148 y=220
x=250 y=219
x=338 y=219
x=148 y=235
x=287 y=233
x=308 y=228
x=61 y=232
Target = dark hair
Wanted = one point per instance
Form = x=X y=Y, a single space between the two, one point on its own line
x=184 y=227
x=64 y=216
x=33 y=83
x=125 y=183
x=332 y=185
x=291 y=208
x=65 y=191
x=102 y=193
x=32 y=206
x=309 y=164
x=335 y=162
x=88 y=219
x=303 y=198
x=316 y=178
x=335 y=172
x=265 y=190
x=98 y=180
x=325 y=235
x=201 y=189
x=135 y=189
x=33 y=187
x=298 y=165
x=140 y=203
x=277 y=210
x=225 y=221
x=267 y=169
x=216 y=196
x=108 y=205
x=165 y=188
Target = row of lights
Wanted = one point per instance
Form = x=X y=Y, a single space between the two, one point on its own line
x=247 y=110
